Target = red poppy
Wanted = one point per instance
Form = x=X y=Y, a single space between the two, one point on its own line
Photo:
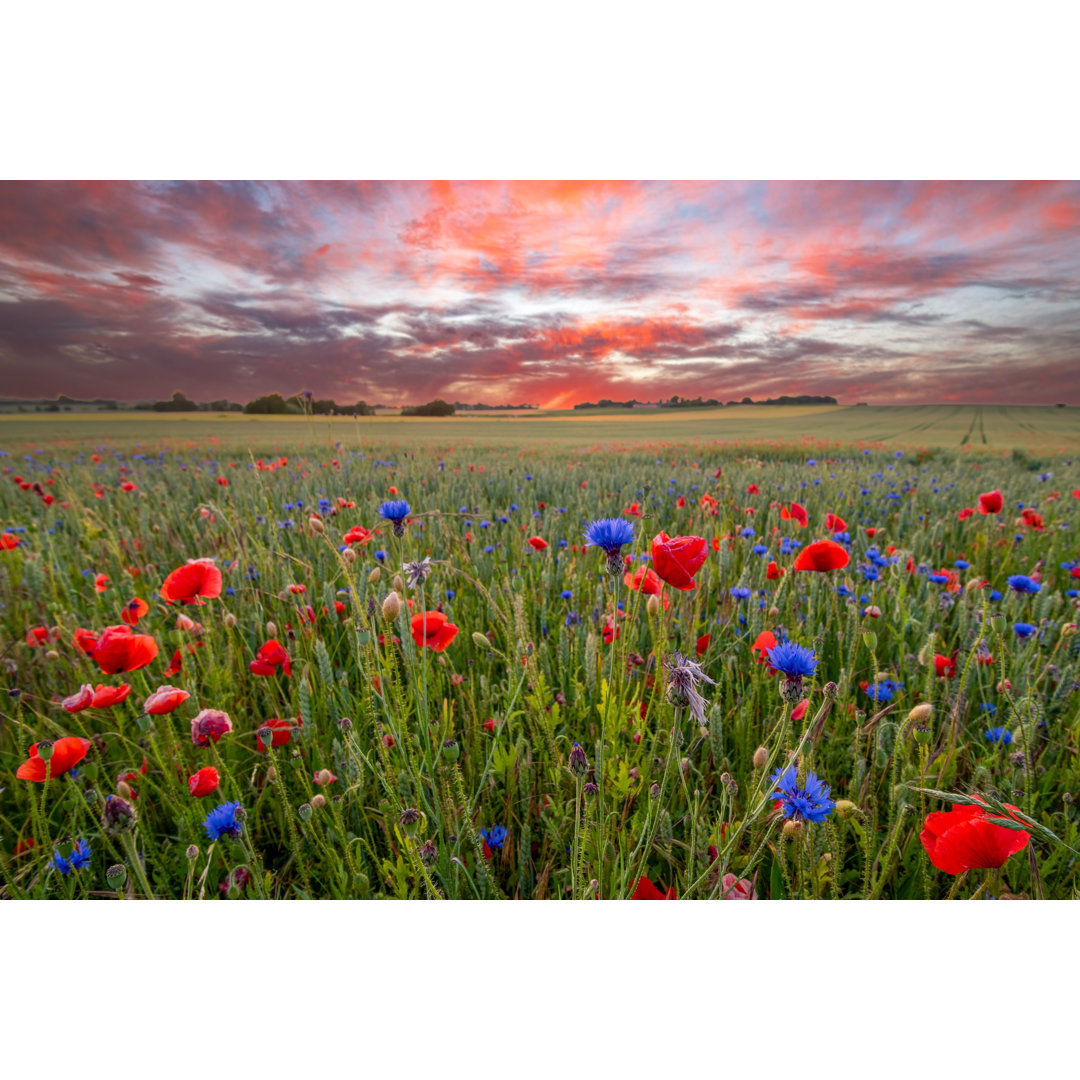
x=490 y=725
x=702 y=646
x=133 y=611
x=1033 y=520
x=164 y=700
x=835 y=523
x=871 y=532
x=85 y=641
x=945 y=666
x=800 y=710
x=176 y=664
x=537 y=543
x=765 y=641
x=118 y=649
x=991 y=502
x=38 y=635
x=963 y=839
x=269 y=658
x=611 y=633
x=8 y=541
x=186 y=584
x=822 y=556
x=751 y=490
x=431 y=629
x=678 y=558
x=105 y=697
x=79 y=701
x=204 y=782
x=101 y=583
x=772 y=571
x=646 y=890
x=965 y=513
x=795 y=512
x=357 y=535
x=66 y=754
x=282 y=730
x=644 y=579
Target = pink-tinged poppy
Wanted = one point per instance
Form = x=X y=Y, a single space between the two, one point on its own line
x=101 y=583
x=85 y=641
x=677 y=559
x=66 y=754
x=282 y=732
x=188 y=584
x=270 y=657
x=209 y=725
x=646 y=890
x=79 y=701
x=205 y=782
x=537 y=543
x=733 y=888
x=822 y=556
x=963 y=839
x=164 y=700
x=105 y=697
x=991 y=502
x=795 y=512
x=945 y=666
x=430 y=629
x=118 y=650
x=835 y=523
x=133 y=611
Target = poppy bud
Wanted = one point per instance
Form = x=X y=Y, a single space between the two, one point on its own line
x=428 y=853
x=271 y=774
x=409 y=820
x=316 y=525
x=792 y=828
x=391 y=607
x=52 y=655
x=1068 y=630
x=123 y=789
x=845 y=808
x=116 y=875
x=271 y=630
x=318 y=801
x=997 y=623
x=578 y=762
x=303 y=812
x=229 y=620
x=349 y=556
x=399 y=585
x=192 y=852
x=481 y=641
x=761 y=757
x=921 y=713
x=870 y=639
x=774 y=612
x=652 y=605
x=375 y=574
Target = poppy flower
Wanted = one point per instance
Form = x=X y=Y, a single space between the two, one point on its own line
x=133 y=611
x=105 y=697
x=772 y=571
x=732 y=888
x=176 y=664
x=945 y=666
x=38 y=635
x=101 y=583
x=965 y=513
x=991 y=502
x=751 y=490
x=1033 y=520
x=205 y=782
x=702 y=646
x=164 y=700
x=66 y=754
x=821 y=556
x=8 y=541
x=85 y=640
x=537 y=543
x=281 y=729
x=765 y=641
x=678 y=558
x=186 y=584
x=644 y=580
x=269 y=658
x=646 y=890
x=83 y=699
x=963 y=839
x=358 y=535
x=208 y=726
x=835 y=523
x=795 y=512
x=118 y=649
x=431 y=629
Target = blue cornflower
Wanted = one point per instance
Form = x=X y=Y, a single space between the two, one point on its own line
x=961 y=564
x=995 y=596
x=1023 y=584
x=221 y=821
x=380 y=555
x=566 y=594
x=494 y=837
x=988 y=707
x=938 y=579
x=609 y=534
x=79 y=857
x=1023 y=629
x=808 y=803
x=998 y=735
x=572 y=619
x=740 y=592
x=793 y=660
x=885 y=690
x=394 y=510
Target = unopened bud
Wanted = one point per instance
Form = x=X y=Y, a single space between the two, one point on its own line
x=774 y=611
x=229 y=620
x=118 y=816
x=316 y=525
x=399 y=585
x=123 y=789
x=761 y=757
x=391 y=607
x=318 y=801
x=52 y=655
x=481 y=641
x=271 y=775
x=652 y=605
x=428 y=853
x=344 y=724
x=578 y=761
x=192 y=852
x=792 y=828
x=589 y=789
x=374 y=576
x=654 y=791
x=271 y=629
x=921 y=713
x=845 y=808
x=831 y=691
x=349 y=556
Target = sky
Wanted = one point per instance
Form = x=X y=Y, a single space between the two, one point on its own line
x=549 y=293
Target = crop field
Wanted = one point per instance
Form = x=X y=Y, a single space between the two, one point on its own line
x=748 y=653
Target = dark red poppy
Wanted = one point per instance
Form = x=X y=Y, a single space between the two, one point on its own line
x=282 y=730
x=204 y=782
x=963 y=839
x=105 y=697
x=646 y=890
x=678 y=558
x=186 y=584
x=66 y=754
x=772 y=571
x=270 y=657
x=991 y=502
x=835 y=523
x=822 y=556
x=795 y=512
x=118 y=649
x=431 y=629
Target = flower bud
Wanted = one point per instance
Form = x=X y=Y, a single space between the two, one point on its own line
x=831 y=691
x=654 y=791
x=921 y=713
x=116 y=875
x=316 y=525
x=391 y=607
x=845 y=809
x=481 y=641
x=123 y=789
x=118 y=816
x=399 y=585
x=761 y=757
x=590 y=789
x=344 y=724
x=792 y=828
x=578 y=762
x=791 y=689
x=374 y=576
x=271 y=775
x=428 y=853
x=318 y=801
x=229 y=620
x=52 y=655
x=271 y=629
x=349 y=556
x=774 y=611
x=192 y=852
x=652 y=605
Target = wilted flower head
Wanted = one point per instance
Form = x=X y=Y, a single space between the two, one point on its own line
x=119 y=816
x=684 y=675
x=416 y=573
x=208 y=726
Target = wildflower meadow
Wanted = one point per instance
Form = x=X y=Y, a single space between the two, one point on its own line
x=402 y=669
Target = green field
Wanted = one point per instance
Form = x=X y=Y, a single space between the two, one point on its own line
x=1040 y=429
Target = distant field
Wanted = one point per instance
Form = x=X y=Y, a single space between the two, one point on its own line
x=1034 y=429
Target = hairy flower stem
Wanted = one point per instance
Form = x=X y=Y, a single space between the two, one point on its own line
x=136 y=865
x=574 y=871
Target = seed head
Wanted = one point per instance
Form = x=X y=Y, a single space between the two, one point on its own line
x=761 y=757
x=391 y=607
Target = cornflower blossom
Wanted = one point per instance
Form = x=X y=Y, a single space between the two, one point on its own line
x=807 y=802
x=395 y=511
x=610 y=534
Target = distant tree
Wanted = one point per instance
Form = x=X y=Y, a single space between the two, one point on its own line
x=268 y=405
x=438 y=407
x=179 y=402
